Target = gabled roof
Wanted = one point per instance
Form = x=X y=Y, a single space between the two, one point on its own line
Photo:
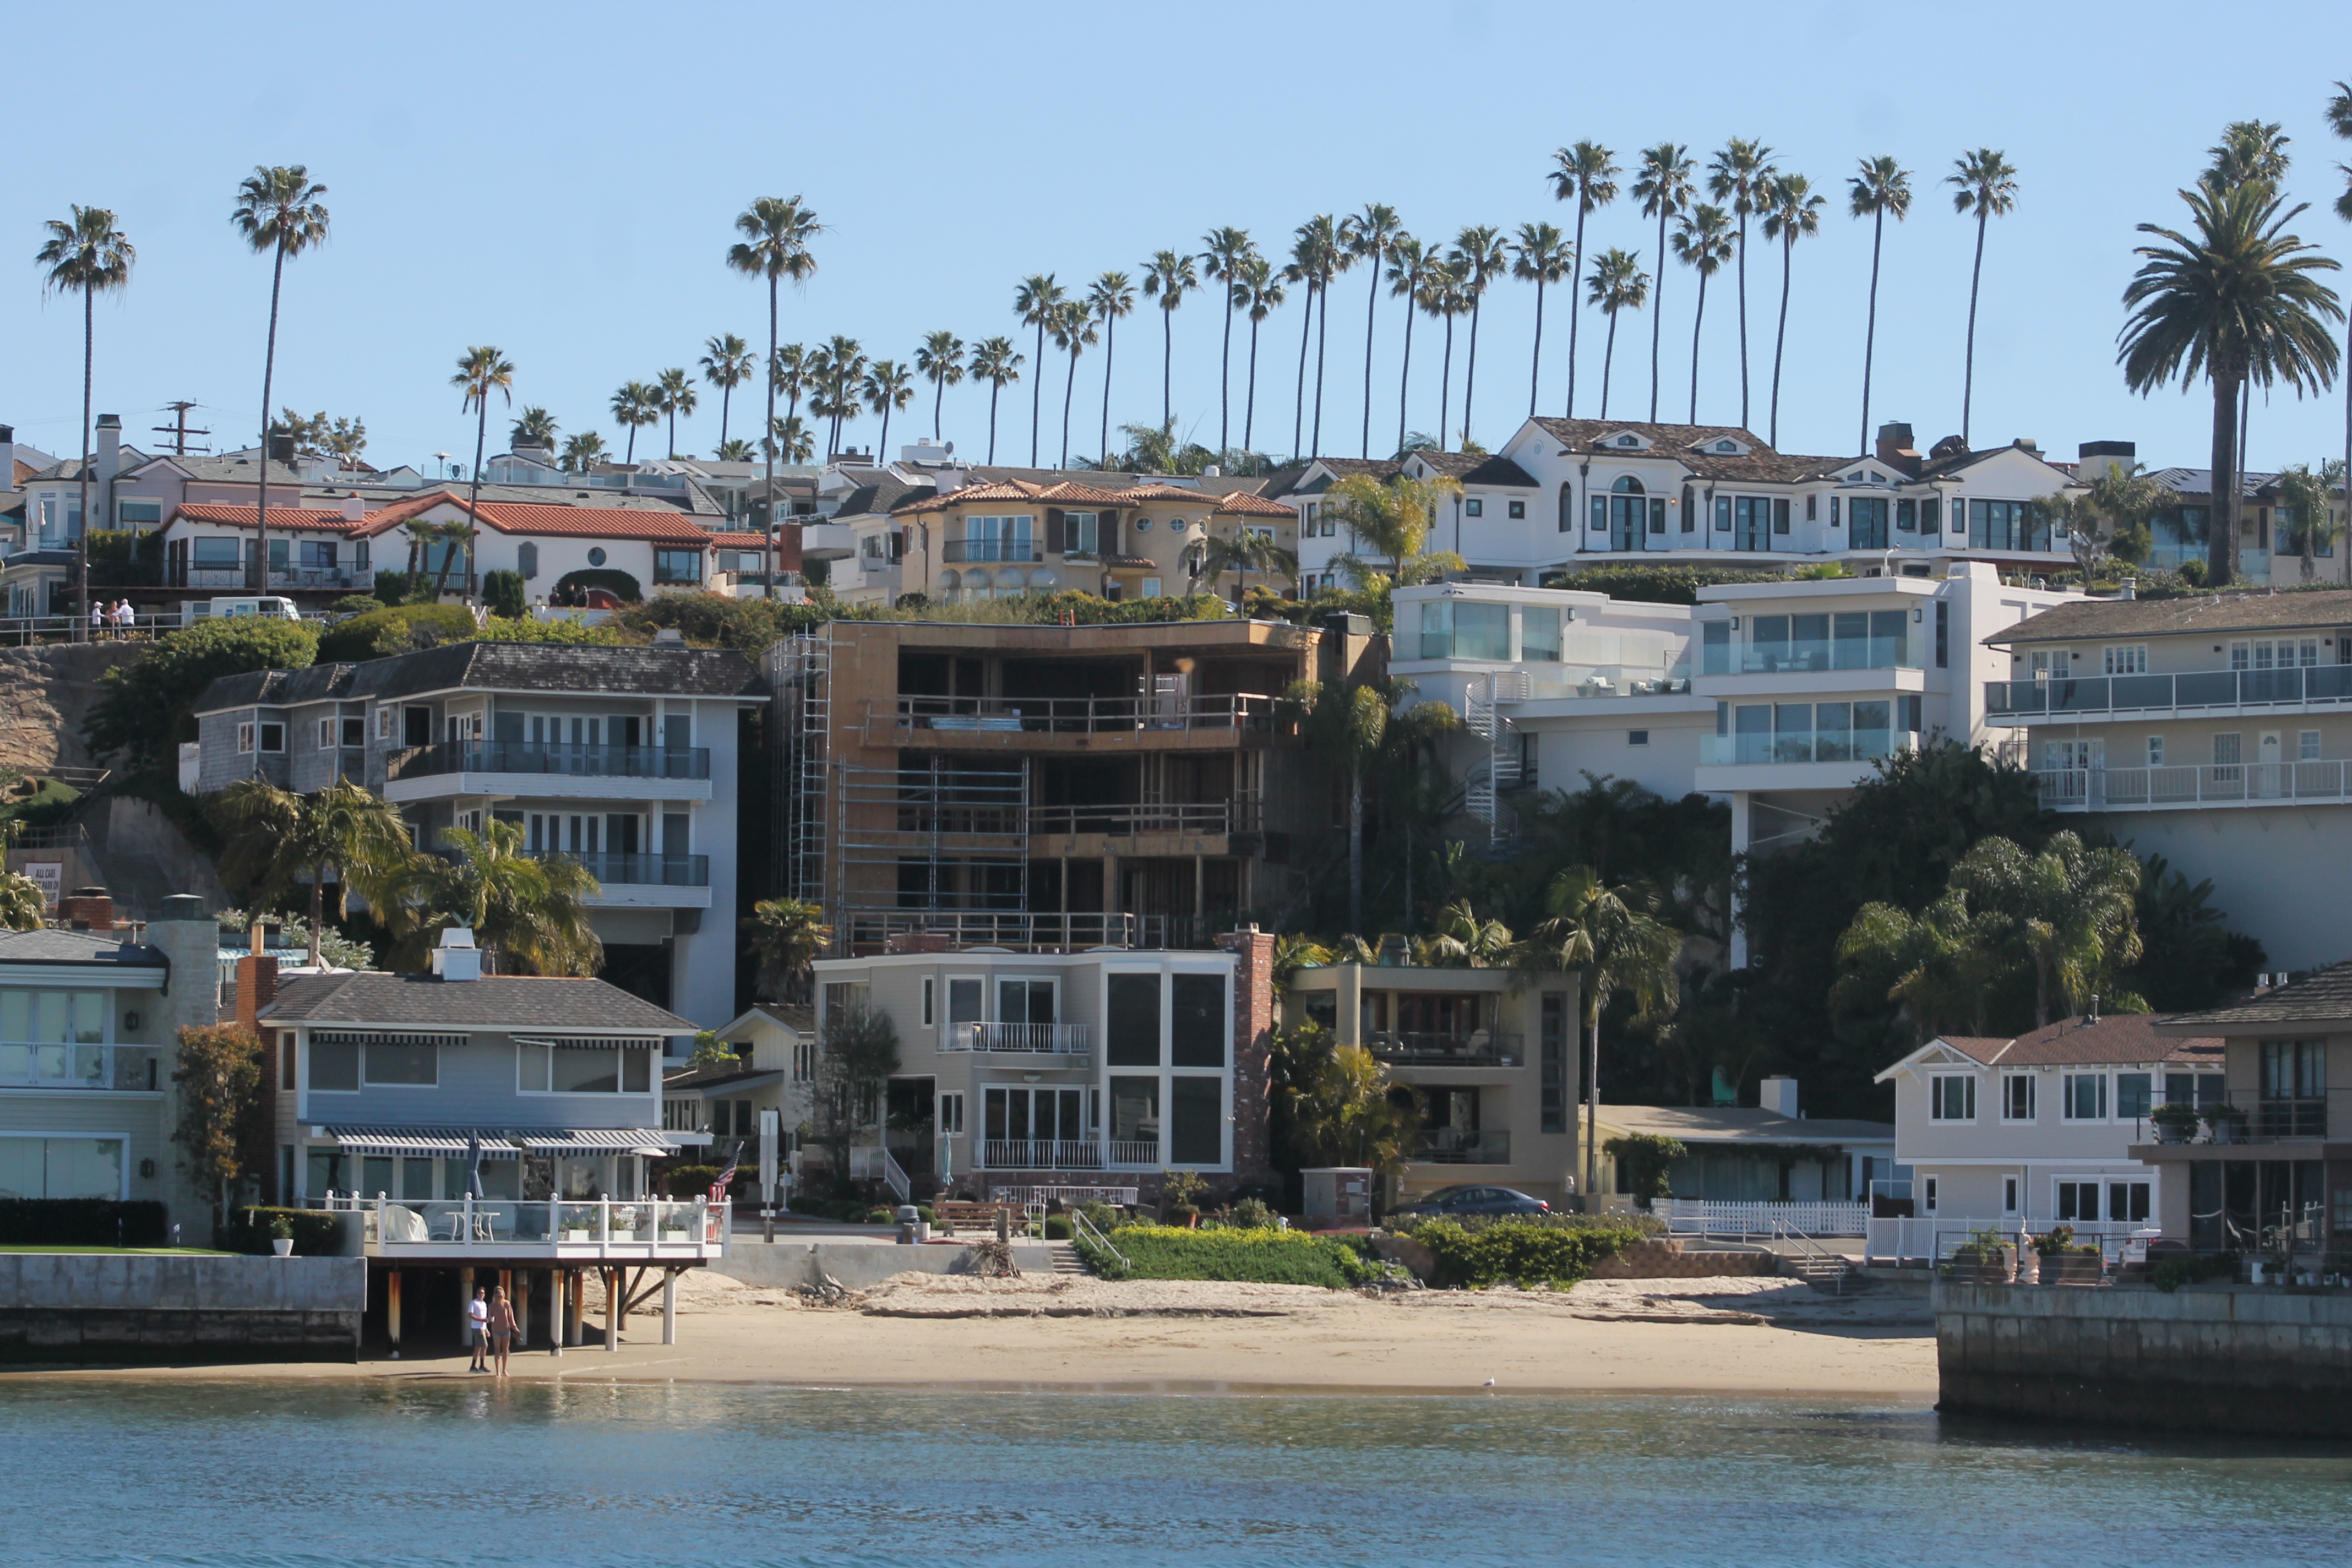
x=2321 y=999
x=2214 y=614
x=660 y=525
x=2116 y=1039
x=1480 y=468
x=307 y=519
x=881 y=496
x=1242 y=503
x=500 y=1002
x=499 y=667
x=1687 y=444
x=1953 y=462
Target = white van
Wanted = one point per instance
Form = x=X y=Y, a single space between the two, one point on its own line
x=269 y=606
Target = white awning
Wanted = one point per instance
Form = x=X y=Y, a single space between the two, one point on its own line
x=423 y=1142
x=596 y=1141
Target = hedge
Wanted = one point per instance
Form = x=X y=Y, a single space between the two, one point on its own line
x=317 y=1233
x=81 y=1222
x=391 y=630
x=502 y=592
x=1260 y=1257
x=1520 y=1253
x=690 y=1181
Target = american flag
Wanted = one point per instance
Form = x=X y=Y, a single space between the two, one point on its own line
x=726 y=1175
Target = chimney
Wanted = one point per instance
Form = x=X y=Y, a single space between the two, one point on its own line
x=2027 y=444
x=86 y=909
x=355 y=507
x=281 y=449
x=1894 y=448
x=2097 y=457
x=109 y=446
x=1779 y=1095
x=1256 y=1015
x=7 y=457
x=256 y=987
x=457 y=958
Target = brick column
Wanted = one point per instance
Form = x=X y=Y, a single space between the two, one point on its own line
x=1253 y=1024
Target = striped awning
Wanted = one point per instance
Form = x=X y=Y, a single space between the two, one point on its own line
x=596 y=1141
x=381 y=1038
x=588 y=1042
x=415 y=1141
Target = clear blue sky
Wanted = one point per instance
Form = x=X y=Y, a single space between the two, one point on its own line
x=560 y=182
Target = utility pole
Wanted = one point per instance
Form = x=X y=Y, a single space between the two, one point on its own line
x=178 y=430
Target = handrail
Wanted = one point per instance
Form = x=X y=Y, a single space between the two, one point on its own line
x=896 y=1179
x=579 y=759
x=1079 y=715
x=2193 y=784
x=1080 y=1226
x=2286 y=684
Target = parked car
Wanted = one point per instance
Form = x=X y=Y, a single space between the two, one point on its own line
x=1469 y=1200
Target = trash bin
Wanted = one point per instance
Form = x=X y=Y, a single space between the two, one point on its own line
x=908 y=1218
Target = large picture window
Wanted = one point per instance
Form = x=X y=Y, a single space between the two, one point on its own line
x=1952 y=1098
x=1196 y=1121
x=1197 y=1026
x=35 y=1167
x=1131 y=1021
x=584 y=1068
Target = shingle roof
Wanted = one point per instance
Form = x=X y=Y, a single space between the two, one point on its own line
x=1740 y=1125
x=52 y=946
x=1685 y=444
x=2325 y=997
x=1479 y=468
x=883 y=495
x=501 y=1002
x=500 y=666
x=313 y=519
x=2206 y=614
x=2124 y=1037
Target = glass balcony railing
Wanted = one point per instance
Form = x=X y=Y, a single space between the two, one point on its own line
x=550 y=757
x=1454 y=1146
x=2193 y=784
x=1805 y=746
x=637 y=870
x=55 y=1066
x=2194 y=688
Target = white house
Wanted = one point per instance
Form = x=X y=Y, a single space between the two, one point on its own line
x=657 y=546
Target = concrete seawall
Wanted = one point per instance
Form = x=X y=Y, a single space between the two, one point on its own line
x=2211 y=1358
x=117 y=1307
x=858 y=1265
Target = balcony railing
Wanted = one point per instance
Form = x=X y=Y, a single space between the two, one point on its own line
x=1017 y=551
x=52 y=1065
x=872 y=931
x=1080 y=715
x=236 y=579
x=1479 y=1047
x=2215 y=784
x=554 y=758
x=1806 y=746
x=1042 y=1154
x=1214 y=817
x=2324 y=683
x=1052 y=1039
x=2252 y=1117
x=637 y=870
x=1807 y=653
x=1451 y=1146
x=639 y=1225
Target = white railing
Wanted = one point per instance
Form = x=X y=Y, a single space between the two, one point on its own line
x=2195 y=783
x=52 y=1065
x=1056 y=1039
x=895 y=1180
x=1040 y=1154
x=1128 y=1151
x=1082 y=1228
x=497 y=1223
x=1706 y=1217
x=1068 y=1196
x=1931 y=1238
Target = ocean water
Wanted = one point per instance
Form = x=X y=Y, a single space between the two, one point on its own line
x=303 y=1474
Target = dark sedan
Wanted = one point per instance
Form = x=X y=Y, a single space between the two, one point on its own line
x=1469 y=1200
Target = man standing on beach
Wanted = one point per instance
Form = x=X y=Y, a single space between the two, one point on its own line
x=477 y=1325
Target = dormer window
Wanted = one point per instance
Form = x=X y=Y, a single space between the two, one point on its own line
x=1727 y=445
x=1627 y=441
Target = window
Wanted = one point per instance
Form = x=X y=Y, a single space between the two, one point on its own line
x=1812 y=507
x=678 y=565
x=2009 y=1194
x=1552 y=1041
x=2306 y=746
x=1152 y=587
x=1143 y=525
x=326 y=734
x=138 y=513
x=1135 y=1119
x=950 y=1114
x=2078 y=1200
x=1452 y=629
x=2129 y=1201
x=2295 y=1069
x=1715 y=648
x=1867 y=519
x=2085 y=1096
x=804 y=1062
x=964 y=994
x=38 y=1167
x=1952 y=1098
x=596 y=555
x=334 y=1068
x=1196 y=1121
x=2228 y=752
x=404 y=1066
x=2008 y=525
x=567 y=1068
x=2127 y=661
x=1518 y=508
x=384 y=722
x=1024 y=1001
x=1473 y=506
x=1080 y=532
x=1928 y=1194
x=1196 y=1036
x=1539 y=636
x=1943 y=634
x=527 y=560
x=353 y=731
x=2156 y=750
x=1131 y=1021
x=1907 y=517
x=2017 y=1097
x=244 y=738
x=930 y=989
x=2135 y=1092
x=1637 y=737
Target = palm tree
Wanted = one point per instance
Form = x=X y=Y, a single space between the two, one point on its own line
x=941 y=361
x=784 y=937
x=1074 y=328
x=1480 y=257
x=1986 y=186
x=1614 y=937
x=776 y=233
x=2068 y=911
x=86 y=254
x=1226 y=253
x=1259 y=290
x=583 y=452
x=789 y=440
x=1459 y=938
x=2239 y=298
x=674 y=390
x=1879 y=186
x=1585 y=173
x=790 y=371
x=1110 y=296
x=2340 y=120
x=1408 y=265
x=276 y=841
x=1243 y=551
x=421 y=534
x=842 y=372
x=1393 y=521
x=1618 y=284
x=1368 y=237
x=636 y=405
x=531 y=909
x=1792 y=212
x=2309 y=509
x=1169 y=276
x=888 y=386
x=1038 y=303
x=1444 y=297
x=1345 y=725
x=455 y=535
x=995 y=361
x=480 y=371
x=1740 y=173
x=536 y=427
x=726 y=364
x=278 y=211
x=1314 y=261
x=1666 y=190
x=1541 y=257
x=1702 y=238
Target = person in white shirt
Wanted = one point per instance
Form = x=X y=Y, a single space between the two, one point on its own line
x=478 y=1328
x=98 y=622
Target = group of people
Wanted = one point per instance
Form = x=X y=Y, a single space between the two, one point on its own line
x=489 y=1328
x=120 y=620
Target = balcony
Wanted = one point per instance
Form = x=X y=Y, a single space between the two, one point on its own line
x=54 y=1066
x=1454 y=1146
x=647 y=1229
x=1045 y=1040
x=550 y=757
x=2253 y=1117
x=1017 y=551
x=1078 y=715
x=1804 y=746
x=1042 y=1154
x=1196 y=818
x=1478 y=1049
x=2204 y=691
x=2194 y=784
x=239 y=580
x=637 y=870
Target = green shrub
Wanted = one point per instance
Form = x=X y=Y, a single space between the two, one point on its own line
x=689 y=1181
x=2188 y=1269
x=399 y=587
x=611 y=577
x=393 y=629
x=502 y=592
x=881 y=1215
x=355 y=605
x=81 y=1222
x=561 y=629
x=316 y=1233
x=1654 y=584
x=145 y=709
x=716 y=620
x=1058 y=1227
x=1514 y=1251
x=1262 y=1256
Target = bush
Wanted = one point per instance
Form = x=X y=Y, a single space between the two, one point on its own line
x=560 y=630
x=2171 y=1273
x=399 y=587
x=1654 y=584
x=317 y=1233
x=689 y=1181
x=1514 y=1251
x=715 y=620
x=502 y=592
x=120 y=558
x=355 y=605
x=1058 y=1227
x=81 y=1222
x=145 y=709
x=611 y=577
x=393 y=629
x=881 y=1215
x=1262 y=1256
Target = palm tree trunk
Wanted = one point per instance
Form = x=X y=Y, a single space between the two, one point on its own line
x=1069 y=389
x=1445 y=388
x=631 y=456
x=318 y=909
x=1404 y=376
x=261 y=489
x=768 y=534
x=726 y=402
x=1743 y=319
x=81 y=545
x=474 y=496
x=939 y=396
x=1657 y=311
x=1226 y=375
x=1356 y=849
x=2222 y=524
x=1037 y=391
x=1592 y=1114
x=1299 y=407
x=1781 y=337
x=1575 y=315
x=1535 y=367
x=882 y=449
x=1608 y=363
x=673 y=434
x=1968 y=375
x=1470 y=372
x=994 y=387
x=1167 y=363
x=1698 y=321
x=1110 y=326
x=1249 y=406
x=1870 y=337
x=1371 y=304
x=1322 y=327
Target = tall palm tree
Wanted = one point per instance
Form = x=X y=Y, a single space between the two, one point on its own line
x=480 y=371
x=2067 y=911
x=454 y=536
x=1445 y=295
x=677 y=396
x=941 y=361
x=530 y=909
x=1986 y=186
x=784 y=937
x=1110 y=296
x=636 y=405
x=2238 y=298
x=535 y=427
x=791 y=370
x=777 y=232
x=1367 y=236
x=1038 y=303
x=1792 y=212
x=86 y=255
x=1345 y=725
x=727 y=363
x=276 y=842
x=581 y=453
x=1225 y=253
x=995 y=361
x=1739 y=175
x=1666 y=191
x=790 y=440
x=1539 y=255
x=2248 y=149
x=421 y=534
x=1072 y=328
x=888 y=386
x=1258 y=289
x=1586 y=175
x=1879 y=186
x=1314 y=261
x=278 y=211
x=2339 y=121
x=1481 y=257
x=1168 y=276
x=1703 y=239
x=1618 y=283
x=1393 y=521
x=1614 y=937
x=1408 y=265
x=842 y=372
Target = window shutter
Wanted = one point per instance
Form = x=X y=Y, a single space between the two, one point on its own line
x=1053 y=530
x=1107 y=533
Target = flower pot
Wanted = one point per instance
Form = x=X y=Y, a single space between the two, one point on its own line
x=2071 y=1269
x=579 y=1236
x=2166 y=1133
x=283 y=1246
x=2226 y=1130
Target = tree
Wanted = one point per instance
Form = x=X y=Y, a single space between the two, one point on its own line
x=777 y=232
x=1038 y=303
x=1479 y=256
x=455 y=535
x=535 y=427
x=1586 y=175
x=940 y=362
x=275 y=842
x=727 y=363
x=480 y=371
x=1618 y=284
x=1342 y=1109
x=839 y=367
x=2238 y=299
x=1645 y=1162
x=790 y=371
x=2310 y=515
x=1345 y=725
x=1243 y=551
x=636 y=405
x=1460 y=938
x=1792 y=212
x=218 y=1077
x=2068 y=910
x=1879 y=186
x=86 y=255
x=1368 y=237
x=1393 y=521
x=995 y=361
x=1409 y=266
x=789 y=438
x=1074 y=329
x=1613 y=937
x=1315 y=261
x=1985 y=185
x=526 y=907
x=1703 y=239
x=1226 y=253
x=277 y=212
x=2109 y=518
x=857 y=1052
x=145 y=710
x=1168 y=276
x=582 y=453
x=1539 y=255
x=1741 y=173
x=1110 y=296
x=1666 y=191
x=1258 y=288
x=674 y=391
x=784 y=937
x=2248 y=149
x=1940 y=966
x=2339 y=121
x=1444 y=297
x=888 y=386
x=23 y=905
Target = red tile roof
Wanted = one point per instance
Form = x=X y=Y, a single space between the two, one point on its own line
x=315 y=518
x=546 y=519
x=1245 y=504
x=1015 y=490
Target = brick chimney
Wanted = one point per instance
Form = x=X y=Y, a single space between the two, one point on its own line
x=256 y=987
x=1896 y=451
x=1254 y=1022
x=86 y=909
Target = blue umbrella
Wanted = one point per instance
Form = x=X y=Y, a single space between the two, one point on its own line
x=474 y=1164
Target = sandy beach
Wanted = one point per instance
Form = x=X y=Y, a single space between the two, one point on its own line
x=1743 y=1336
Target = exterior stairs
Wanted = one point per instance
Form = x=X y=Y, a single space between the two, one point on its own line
x=1824 y=1271
x=1502 y=770
x=1066 y=1259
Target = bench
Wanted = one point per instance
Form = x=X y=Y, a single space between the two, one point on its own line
x=954 y=1214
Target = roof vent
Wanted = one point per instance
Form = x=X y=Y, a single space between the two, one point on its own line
x=669 y=636
x=457 y=958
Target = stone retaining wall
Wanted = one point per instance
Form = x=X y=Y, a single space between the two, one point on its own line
x=126 y=1307
x=858 y=1265
x=1667 y=1260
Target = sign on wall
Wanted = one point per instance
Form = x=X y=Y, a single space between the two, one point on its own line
x=49 y=876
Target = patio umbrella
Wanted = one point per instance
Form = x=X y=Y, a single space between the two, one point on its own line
x=474 y=1164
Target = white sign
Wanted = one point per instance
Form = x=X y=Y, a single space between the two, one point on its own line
x=49 y=876
x=770 y=1126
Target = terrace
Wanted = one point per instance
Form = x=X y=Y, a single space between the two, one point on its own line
x=2192 y=785
x=2298 y=688
x=558 y=1230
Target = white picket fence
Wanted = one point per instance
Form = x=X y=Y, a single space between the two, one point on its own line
x=1931 y=1238
x=1707 y=1218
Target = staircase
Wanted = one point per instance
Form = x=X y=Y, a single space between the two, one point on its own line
x=1502 y=771
x=1824 y=1271
x=1066 y=1257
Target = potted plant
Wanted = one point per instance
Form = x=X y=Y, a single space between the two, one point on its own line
x=2062 y=1262
x=281 y=1236
x=2175 y=1121
x=2227 y=1123
x=1982 y=1259
x=1184 y=1194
